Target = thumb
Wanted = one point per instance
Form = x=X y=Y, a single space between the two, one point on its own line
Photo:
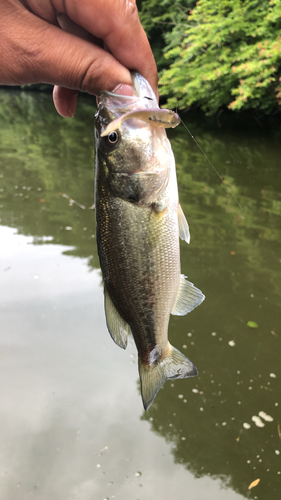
x=38 y=52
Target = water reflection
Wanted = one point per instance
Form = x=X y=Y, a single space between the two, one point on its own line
x=234 y=257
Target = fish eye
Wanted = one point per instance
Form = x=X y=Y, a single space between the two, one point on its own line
x=111 y=141
x=112 y=138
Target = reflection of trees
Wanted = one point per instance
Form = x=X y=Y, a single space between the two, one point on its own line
x=41 y=155
x=245 y=211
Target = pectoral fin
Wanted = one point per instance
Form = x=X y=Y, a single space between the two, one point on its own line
x=188 y=297
x=183 y=226
x=117 y=327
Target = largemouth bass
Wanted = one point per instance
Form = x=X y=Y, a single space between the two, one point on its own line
x=139 y=222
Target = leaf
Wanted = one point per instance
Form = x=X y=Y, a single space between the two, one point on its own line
x=252 y=324
x=253 y=484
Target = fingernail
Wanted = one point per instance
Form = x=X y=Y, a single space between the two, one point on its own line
x=72 y=105
x=123 y=89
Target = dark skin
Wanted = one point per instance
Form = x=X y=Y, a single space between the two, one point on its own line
x=87 y=45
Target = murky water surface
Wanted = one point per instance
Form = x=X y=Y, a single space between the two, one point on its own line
x=71 y=421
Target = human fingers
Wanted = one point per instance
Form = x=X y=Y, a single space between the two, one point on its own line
x=117 y=24
x=65 y=100
x=34 y=51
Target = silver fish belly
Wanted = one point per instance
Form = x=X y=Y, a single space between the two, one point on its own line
x=139 y=222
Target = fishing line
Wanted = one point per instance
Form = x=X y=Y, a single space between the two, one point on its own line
x=227 y=187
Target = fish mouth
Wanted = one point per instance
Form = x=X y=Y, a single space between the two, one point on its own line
x=142 y=106
x=141 y=90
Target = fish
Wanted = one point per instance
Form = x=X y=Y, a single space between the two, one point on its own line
x=138 y=225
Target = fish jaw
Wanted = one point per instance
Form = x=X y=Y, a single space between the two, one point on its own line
x=112 y=106
x=141 y=107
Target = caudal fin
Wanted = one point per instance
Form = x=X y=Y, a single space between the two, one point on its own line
x=152 y=377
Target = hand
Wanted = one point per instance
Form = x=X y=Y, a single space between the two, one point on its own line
x=87 y=45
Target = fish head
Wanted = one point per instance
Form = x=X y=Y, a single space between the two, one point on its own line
x=135 y=156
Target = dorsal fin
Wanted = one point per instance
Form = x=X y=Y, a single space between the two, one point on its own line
x=188 y=297
x=117 y=327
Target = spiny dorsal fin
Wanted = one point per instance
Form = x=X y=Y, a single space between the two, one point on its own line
x=183 y=226
x=117 y=327
x=188 y=297
x=173 y=365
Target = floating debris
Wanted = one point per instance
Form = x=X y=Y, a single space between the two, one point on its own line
x=266 y=417
x=252 y=324
x=231 y=343
x=246 y=425
x=272 y=375
x=279 y=430
x=277 y=452
x=68 y=228
x=257 y=421
x=138 y=474
x=253 y=484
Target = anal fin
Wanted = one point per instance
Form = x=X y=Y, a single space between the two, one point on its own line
x=117 y=327
x=183 y=226
x=188 y=297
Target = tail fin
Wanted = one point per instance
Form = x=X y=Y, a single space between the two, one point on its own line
x=152 y=377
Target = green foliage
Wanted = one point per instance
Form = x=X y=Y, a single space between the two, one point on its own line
x=158 y=18
x=225 y=53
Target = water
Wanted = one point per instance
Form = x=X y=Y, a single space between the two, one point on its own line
x=71 y=420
